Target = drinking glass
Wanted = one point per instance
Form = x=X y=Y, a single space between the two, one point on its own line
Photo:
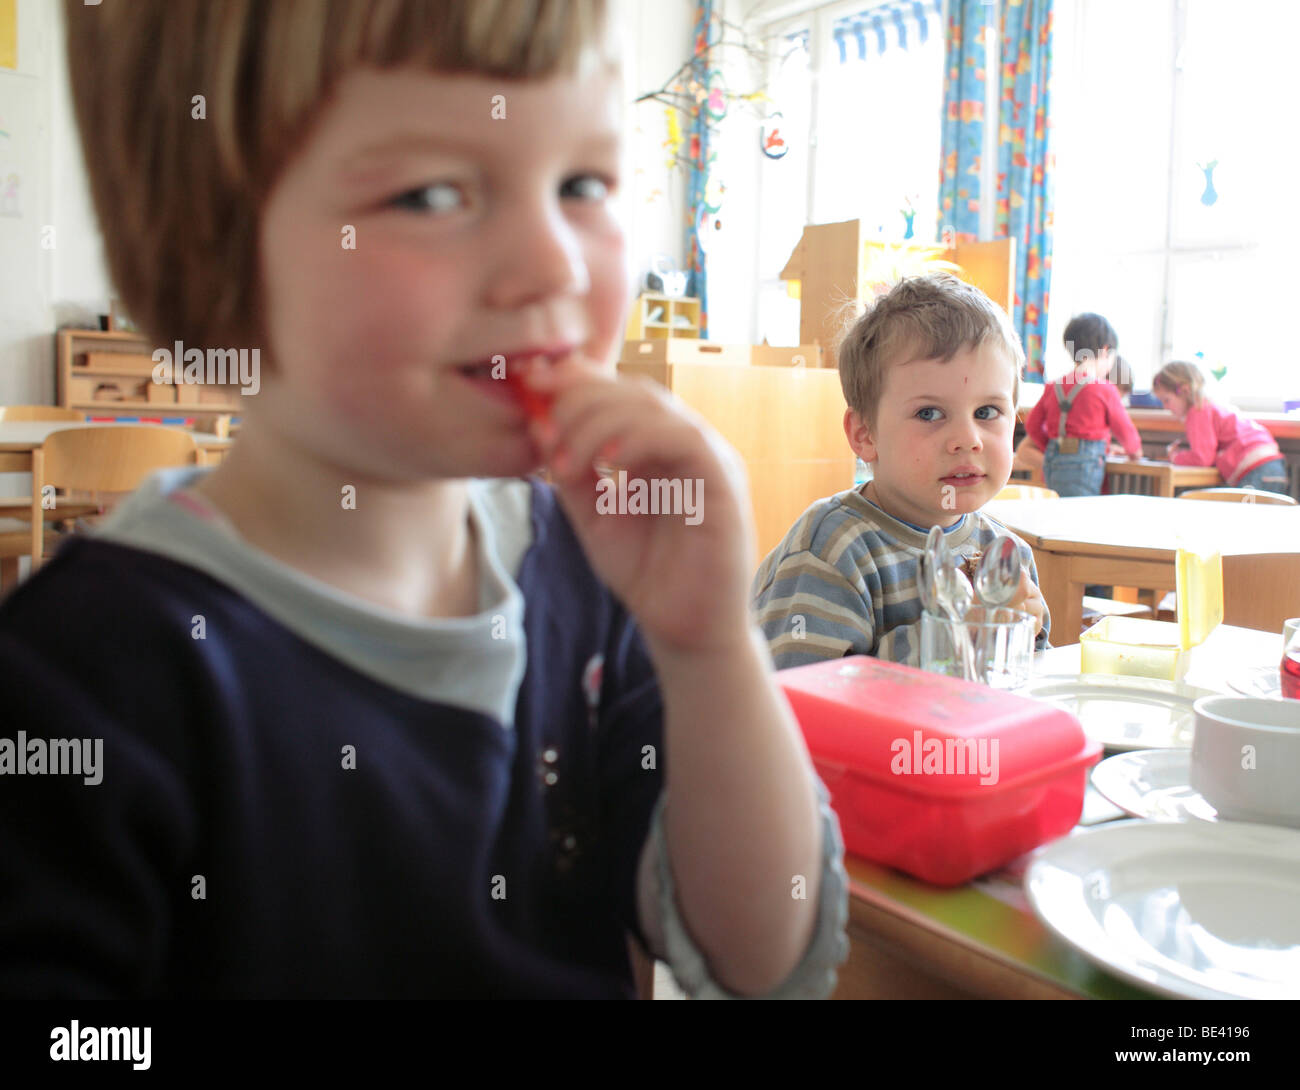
x=1003 y=640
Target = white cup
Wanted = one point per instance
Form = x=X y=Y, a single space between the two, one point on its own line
x=1288 y=629
x=1246 y=758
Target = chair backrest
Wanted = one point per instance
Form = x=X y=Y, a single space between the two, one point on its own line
x=115 y=458
x=1026 y=492
x=1261 y=591
x=1237 y=495
x=40 y=412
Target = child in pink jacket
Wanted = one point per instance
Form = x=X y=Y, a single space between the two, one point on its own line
x=1243 y=451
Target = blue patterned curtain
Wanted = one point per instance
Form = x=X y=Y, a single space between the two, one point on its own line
x=1026 y=167
x=701 y=160
x=965 y=58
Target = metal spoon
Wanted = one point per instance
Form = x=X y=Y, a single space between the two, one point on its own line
x=928 y=585
x=929 y=573
x=955 y=595
x=998 y=577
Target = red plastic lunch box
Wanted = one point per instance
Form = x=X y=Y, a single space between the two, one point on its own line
x=942 y=778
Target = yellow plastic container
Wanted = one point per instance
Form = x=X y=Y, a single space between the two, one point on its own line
x=1135 y=647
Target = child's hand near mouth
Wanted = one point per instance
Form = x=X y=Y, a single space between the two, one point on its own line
x=686 y=584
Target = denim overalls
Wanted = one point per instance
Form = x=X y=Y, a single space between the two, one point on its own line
x=1073 y=467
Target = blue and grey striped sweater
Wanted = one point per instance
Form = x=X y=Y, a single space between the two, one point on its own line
x=843 y=581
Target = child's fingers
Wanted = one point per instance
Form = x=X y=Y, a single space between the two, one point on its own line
x=583 y=394
x=631 y=434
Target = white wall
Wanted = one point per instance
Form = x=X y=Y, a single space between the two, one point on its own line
x=51 y=264
x=656 y=203
x=656 y=39
x=25 y=165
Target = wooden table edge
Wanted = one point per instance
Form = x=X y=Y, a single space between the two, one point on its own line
x=997 y=974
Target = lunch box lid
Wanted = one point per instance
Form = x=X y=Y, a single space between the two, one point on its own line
x=929 y=734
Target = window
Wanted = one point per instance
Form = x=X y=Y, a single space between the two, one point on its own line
x=860 y=88
x=1174 y=160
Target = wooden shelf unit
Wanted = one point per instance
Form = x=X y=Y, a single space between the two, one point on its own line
x=785 y=422
x=641 y=327
x=84 y=360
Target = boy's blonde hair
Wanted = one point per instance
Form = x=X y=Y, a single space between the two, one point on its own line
x=179 y=184
x=920 y=318
x=1173 y=375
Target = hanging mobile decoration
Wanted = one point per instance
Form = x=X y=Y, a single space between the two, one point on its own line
x=715 y=100
x=674 y=141
x=710 y=205
x=770 y=140
x=1211 y=194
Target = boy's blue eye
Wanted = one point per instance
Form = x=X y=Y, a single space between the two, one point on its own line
x=928 y=409
x=994 y=412
x=586 y=187
x=438 y=197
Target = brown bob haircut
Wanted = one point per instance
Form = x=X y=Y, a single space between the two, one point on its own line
x=920 y=318
x=179 y=188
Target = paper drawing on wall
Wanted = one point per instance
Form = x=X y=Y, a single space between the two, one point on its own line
x=909 y=215
x=10 y=180
x=771 y=141
x=1211 y=194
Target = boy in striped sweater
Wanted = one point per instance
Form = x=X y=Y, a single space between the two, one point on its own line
x=930 y=374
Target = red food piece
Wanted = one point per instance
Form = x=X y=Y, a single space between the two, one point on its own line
x=537 y=405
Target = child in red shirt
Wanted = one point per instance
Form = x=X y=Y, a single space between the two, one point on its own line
x=1074 y=419
x=1242 y=450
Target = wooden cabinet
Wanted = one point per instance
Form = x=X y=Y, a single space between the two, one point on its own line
x=111 y=374
x=654 y=316
x=785 y=422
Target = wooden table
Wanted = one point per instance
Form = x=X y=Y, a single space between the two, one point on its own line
x=20 y=452
x=1164 y=476
x=912 y=940
x=1133 y=541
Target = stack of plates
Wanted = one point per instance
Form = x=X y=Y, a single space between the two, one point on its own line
x=1180 y=903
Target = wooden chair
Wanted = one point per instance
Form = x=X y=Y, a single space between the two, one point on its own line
x=19 y=507
x=13 y=545
x=99 y=460
x=1237 y=495
x=1026 y=492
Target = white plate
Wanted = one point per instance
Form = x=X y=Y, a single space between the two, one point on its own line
x=1261 y=681
x=1153 y=784
x=1197 y=910
x=1124 y=713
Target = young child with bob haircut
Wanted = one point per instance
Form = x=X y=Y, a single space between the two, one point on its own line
x=1243 y=450
x=381 y=714
x=931 y=373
